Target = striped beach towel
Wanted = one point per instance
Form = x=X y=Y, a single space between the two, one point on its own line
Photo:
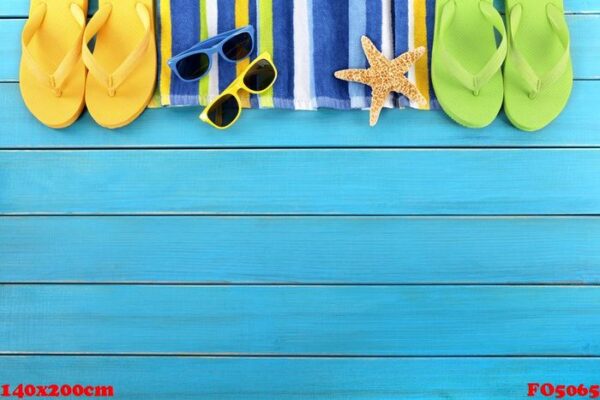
x=308 y=39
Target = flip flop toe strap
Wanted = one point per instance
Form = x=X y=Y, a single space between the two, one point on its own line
x=473 y=82
x=535 y=83
x=112 y=80
x=53 y=80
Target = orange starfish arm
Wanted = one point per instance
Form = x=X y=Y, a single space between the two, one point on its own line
x=354 y=75
x=406 y=60
x=375 y=57
x=377 y=101
x=409 y=90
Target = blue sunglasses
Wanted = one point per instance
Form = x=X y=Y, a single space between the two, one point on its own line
x=195 y=62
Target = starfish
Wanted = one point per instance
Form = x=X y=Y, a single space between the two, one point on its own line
x=385 y=76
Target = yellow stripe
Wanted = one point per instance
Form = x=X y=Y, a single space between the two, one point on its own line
x=265 y=37
x=204 y=82
x=242 y=18
x=420 y=35
x=165 y=52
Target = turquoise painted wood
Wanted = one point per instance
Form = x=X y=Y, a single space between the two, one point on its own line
x=585 y=32
x=190 y=378
x=301 y=320
x=576 y=127
x=20 y=8
x=571 y=6
x=373 y=182
x=346 y=250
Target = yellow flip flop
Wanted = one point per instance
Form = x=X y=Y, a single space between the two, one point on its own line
x=52 y=74
x=122 y=68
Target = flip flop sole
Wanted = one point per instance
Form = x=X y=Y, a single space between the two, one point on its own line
x=540 y=46
x=48 y=46
x=115 y=41
x=472 y=40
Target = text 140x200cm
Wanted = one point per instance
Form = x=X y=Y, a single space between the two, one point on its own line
x=23 y=390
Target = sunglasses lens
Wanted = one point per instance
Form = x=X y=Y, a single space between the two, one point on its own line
x=193 y=66
x=260 y=76
x=223 y=112
x=238 y=47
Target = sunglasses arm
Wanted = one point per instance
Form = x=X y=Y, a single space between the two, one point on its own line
x=215 y=40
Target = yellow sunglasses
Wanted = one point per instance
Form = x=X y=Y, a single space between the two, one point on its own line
x=257 y=78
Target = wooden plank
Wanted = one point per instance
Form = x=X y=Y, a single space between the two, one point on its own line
x=334 y=182
x=301 y=320
x=576 y=127
x=20 y=8
x=585 y=45
x=166 y=378
x=571 y=6
x=344 y=250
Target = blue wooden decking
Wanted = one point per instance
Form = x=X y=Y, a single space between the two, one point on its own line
x=301 y=255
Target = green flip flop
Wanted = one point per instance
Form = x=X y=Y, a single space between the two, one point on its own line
x=467 y=62
x=538 y=73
